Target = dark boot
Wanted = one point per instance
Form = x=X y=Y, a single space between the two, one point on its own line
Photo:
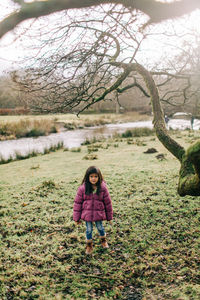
x=89 y=247
x=104 y=242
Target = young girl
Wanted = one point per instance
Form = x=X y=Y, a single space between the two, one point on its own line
x=93 y=204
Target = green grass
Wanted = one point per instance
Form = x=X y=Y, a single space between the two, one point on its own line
x=154 y=250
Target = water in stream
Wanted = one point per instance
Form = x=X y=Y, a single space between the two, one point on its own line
x=74 y=138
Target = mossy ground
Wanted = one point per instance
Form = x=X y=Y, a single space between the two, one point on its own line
x=153 y=241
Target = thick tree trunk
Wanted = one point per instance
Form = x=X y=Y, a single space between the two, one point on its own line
x=158 y=120
x=189 y=176
x=189 y=183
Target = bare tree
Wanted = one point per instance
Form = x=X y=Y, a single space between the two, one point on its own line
x=190 y=57
x=178 y=82
x=75 y=72
x=79 y=73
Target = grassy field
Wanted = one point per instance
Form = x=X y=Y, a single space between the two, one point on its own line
x=153 y=241
x=83 y=119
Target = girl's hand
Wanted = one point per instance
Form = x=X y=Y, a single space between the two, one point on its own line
x=110 y=222
x=78 y=222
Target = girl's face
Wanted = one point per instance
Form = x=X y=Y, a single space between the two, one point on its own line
x=93 y=178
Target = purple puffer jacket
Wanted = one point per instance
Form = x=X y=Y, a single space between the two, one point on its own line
x=92 y=207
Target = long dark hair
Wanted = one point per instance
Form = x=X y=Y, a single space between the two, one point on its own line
x=88 y=185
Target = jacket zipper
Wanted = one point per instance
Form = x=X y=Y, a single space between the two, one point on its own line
x=92 y=206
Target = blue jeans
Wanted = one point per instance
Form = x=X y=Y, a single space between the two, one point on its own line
x=89 y=229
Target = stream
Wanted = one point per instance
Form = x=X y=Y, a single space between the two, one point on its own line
x=74 y=138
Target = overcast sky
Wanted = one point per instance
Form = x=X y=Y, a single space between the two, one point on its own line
x=11 y=51
x=6 y=52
